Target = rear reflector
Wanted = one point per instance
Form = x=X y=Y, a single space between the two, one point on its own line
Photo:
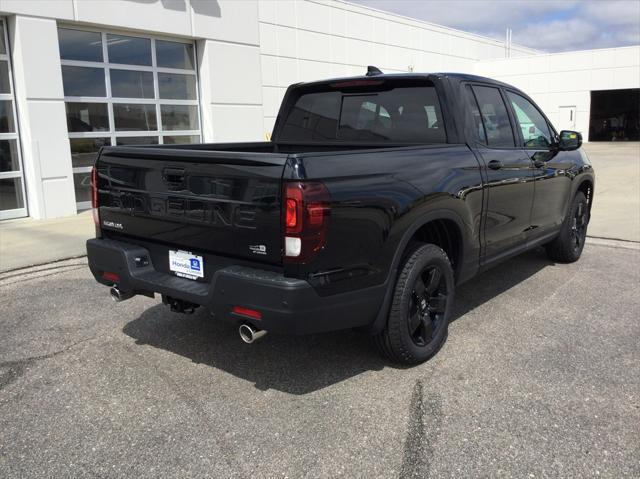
x=249 y=313
x=111 y=276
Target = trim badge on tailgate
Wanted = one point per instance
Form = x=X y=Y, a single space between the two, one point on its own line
x=112 y=224
x=258 y=248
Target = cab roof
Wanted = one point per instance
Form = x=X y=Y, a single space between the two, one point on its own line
x=455 y=77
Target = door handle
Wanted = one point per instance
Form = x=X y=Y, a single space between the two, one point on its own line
x=495 y=164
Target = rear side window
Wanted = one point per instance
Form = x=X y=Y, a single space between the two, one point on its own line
x=409 y=114
x=535 y=130
x=495 y=118
x=476 y=118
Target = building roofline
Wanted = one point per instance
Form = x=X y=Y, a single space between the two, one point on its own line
x=569 y=52
x=436 y=25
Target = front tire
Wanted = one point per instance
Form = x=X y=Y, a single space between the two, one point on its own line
x=418 y=320
x=567 y=246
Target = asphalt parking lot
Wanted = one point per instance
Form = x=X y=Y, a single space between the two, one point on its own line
x=540 y=377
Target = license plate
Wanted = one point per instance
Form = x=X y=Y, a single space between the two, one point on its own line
x=186 y=265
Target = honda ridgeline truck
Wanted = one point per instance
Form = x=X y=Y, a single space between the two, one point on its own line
x=376 y=196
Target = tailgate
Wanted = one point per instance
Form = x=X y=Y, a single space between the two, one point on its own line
x=224 y=203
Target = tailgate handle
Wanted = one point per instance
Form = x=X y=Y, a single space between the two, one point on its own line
x=173 y=176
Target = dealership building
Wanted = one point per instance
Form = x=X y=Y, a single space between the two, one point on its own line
x=78 y=74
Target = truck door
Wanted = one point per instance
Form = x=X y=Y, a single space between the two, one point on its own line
x=508 y=173
x=550 y=166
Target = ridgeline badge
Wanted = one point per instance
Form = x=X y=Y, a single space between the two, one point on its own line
x=112 y=224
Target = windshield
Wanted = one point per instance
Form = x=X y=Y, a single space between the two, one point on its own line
x=409 y=114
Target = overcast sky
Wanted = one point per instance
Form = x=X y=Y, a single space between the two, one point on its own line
x=549 y=25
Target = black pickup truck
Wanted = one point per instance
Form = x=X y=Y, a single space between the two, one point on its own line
x=376 y=197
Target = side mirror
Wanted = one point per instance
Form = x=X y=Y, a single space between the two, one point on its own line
x=569 y=140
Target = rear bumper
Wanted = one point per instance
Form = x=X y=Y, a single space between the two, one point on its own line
x=288 y=305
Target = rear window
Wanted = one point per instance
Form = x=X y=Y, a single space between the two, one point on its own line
x=409 y=114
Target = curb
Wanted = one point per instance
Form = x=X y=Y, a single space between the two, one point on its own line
x=613 y=243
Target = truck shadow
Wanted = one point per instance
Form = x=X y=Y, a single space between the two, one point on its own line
x=300 y=364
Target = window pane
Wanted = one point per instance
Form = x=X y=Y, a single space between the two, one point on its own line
x=132 y=117
x=179 y=117
x=83 y=81
x=408 y=114
x=177 y=87
x=494 y=116
x=131 y=84
x=9 y=156
x=137 y=140
x=11 y=194
x=80 y=45
x=6 y=117
x=3 y=47
x=129 y=50
x=5 y=86
x=82 y=184
x=87 y=116
x=180 y=139
x=174 y=55
x=535 y=130
x=478 y=128
x=84 y=150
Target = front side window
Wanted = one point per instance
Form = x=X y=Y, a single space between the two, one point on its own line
x=535 y=130
x=495 y=118
x=402 y=114
x=124 y=90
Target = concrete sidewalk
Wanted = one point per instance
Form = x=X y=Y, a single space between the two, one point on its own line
x=615 y=215
x=616 y=205
x=28 y=242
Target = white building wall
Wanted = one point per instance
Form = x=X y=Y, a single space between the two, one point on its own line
x=305 y=40
x=249 y=51
x=227 y=42
x=41 y=117
x=566 y=79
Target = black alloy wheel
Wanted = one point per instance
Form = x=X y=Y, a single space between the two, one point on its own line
x=567 y=246
x=421 y=304
x=579 y=226
x=427 y=305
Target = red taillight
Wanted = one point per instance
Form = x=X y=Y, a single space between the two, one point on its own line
x=306 y=215
x=294 y=203
x=113 y=277
x=249 y=313
x=94 y=195
x=292 y=213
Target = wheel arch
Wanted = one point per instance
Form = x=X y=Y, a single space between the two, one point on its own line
x=444 y=228
x=586 y=187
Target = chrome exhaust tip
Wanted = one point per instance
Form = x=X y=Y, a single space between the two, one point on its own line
x=118 y=295
x=249 y=333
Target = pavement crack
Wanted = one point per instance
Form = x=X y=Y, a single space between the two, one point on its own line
x=10 y=371
x=422 y=431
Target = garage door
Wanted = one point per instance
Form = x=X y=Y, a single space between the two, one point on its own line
x=615 y=115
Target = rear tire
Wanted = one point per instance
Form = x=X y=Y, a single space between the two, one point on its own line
x=422 y=301
x=567 y=246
